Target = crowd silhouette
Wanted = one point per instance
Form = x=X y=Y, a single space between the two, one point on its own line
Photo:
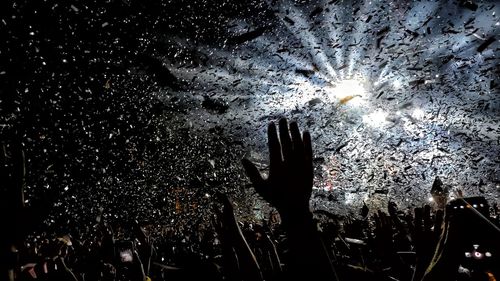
x=452 y=240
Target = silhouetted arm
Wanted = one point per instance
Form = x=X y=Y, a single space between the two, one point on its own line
x=289 y=188
x=446 y=260
x=239 y=260
x=248 y=265
x=425 y=238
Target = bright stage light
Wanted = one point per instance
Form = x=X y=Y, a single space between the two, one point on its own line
x=349 y=92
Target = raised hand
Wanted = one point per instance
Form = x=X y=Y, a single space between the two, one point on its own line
x=145 y=247
x=426 y=234
x=237 y=249
x=385 y=246
x=384 y=235
x=402 y=240
x=444 y=264
x=465 y=224
x=289 y=188
x=290 y=180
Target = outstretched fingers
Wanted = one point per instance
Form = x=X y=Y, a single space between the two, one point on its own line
x=275 y=158
x=298 y=145
x=255 y=177
x=308 y=156
x=252 y=172
x=286 y=142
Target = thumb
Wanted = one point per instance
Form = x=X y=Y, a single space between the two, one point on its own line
x=256 y=178
x=252 y=172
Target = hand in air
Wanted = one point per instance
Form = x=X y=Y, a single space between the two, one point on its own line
x=290 y=180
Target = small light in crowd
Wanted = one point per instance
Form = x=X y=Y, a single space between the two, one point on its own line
x=478 y=255
x=431 y=199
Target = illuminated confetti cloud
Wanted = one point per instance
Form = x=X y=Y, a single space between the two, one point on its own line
x=394 y=93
